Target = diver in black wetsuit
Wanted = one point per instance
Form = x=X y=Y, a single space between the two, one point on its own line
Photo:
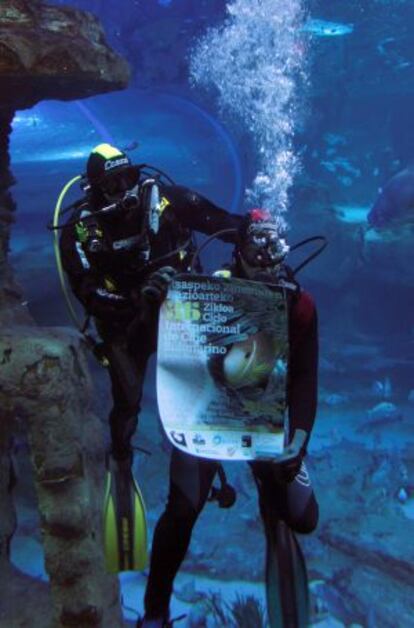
x=132 y=232
x=285 y=491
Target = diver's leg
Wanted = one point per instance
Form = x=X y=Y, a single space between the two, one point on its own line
x=190 y=483
x=301 y=510
x=293 y=502
x=127 y=372
x=124 y=512
x=285 y=507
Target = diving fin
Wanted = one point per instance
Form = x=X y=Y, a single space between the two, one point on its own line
x=287 y=592
x=125 y=527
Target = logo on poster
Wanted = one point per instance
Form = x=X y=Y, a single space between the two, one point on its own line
x=179 y=438
x=246 y=440
x=198 y=440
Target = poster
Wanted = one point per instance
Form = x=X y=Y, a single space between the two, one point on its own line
x=222 y=367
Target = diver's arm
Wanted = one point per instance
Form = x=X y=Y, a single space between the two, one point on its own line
x=88 y=285
x=100 y=302
x=196 y=212
x=303 y=367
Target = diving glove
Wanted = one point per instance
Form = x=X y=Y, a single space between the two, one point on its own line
x=156 y=287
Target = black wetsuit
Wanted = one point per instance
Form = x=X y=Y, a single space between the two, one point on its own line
x=191 y=477
x=107 y=261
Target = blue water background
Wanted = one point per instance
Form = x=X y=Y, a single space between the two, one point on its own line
x=357 y=133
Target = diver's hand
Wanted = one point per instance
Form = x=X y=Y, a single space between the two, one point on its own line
x=156 y=286
x=288 y=465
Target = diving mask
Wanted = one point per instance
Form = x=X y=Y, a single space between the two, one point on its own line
x=262 y=246
x=115 y=187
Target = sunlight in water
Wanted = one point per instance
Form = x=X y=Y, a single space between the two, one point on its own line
x=256 y=64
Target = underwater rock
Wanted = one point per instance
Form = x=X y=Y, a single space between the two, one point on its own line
x=197 y=617
x=400 y=568
x=188 y=593
x=8 y=514
x=362 y=532
x=408 y=508
x=48 y=52
x=10 y=297
x=24 y=601
x=53 y=52
x=45 y=384
x=381 y=473
x=327 y=604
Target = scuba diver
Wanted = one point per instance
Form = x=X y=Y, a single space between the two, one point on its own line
x=120 y=248
x=286 y=498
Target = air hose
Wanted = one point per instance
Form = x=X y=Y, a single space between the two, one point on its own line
x=91 y=342
x=56 y=216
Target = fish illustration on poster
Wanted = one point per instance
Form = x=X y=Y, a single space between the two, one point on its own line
x=222 y=367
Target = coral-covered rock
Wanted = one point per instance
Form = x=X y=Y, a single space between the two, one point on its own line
x=49 y=52
x=53 y=52
x=46 y=386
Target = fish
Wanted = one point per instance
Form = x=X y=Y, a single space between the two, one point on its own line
x=384 y=414
x=394 y=206
x=352 y=214
x=324 y=28
x=133 y=145
x=382 y=389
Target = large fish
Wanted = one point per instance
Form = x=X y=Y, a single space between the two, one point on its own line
x=394 y=206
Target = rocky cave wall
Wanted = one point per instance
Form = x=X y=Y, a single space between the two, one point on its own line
x=60 y=53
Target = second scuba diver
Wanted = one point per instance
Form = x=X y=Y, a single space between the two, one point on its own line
x=120 y=248
x=286 y=498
